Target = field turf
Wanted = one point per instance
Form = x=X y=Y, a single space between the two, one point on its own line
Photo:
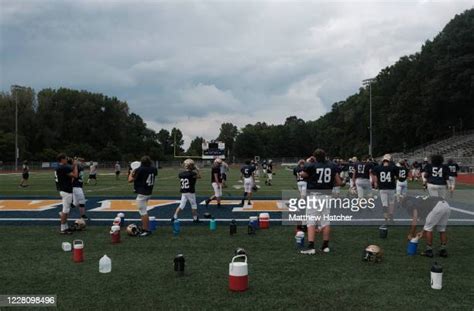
x=167 y=184
x=142 y=277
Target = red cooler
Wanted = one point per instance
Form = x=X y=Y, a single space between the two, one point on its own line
x=115 y=234
x=264 y=220
x=238 y=274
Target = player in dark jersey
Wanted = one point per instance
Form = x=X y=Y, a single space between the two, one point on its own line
x=436 y=175
x=25 y=175
x=64 y=175
x=300 y=182
x=402 y=183
x=187 y=184
x=78 y=197
x=247 y=175
x=143 y=179
x=361 y=177
x=320 y=175
x=269 y=173
x=216 y=182
x=385 y=176
x=433 y=211
x=452 y=175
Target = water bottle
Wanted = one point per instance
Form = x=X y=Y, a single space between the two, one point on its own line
x=179 y=264
x=412 y=247
x=436 y=276
x=105 y=264
x=383 y=231
x=250 y=229
x=233 y=227
x=299 y=239
x=176 y=227
x=213 y=224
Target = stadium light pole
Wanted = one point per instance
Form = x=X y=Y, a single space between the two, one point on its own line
x=17 y=153
x=369 y=83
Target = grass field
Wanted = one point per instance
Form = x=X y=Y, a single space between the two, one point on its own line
x=32 y=262
x=42 y=184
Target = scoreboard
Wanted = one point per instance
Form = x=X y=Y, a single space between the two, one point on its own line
x=213 y=149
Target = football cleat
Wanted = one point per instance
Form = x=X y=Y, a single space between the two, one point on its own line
x=326 y=250
x=309 y=251
x=66 y=231
x=427 y=253
x=144 y=233
x=443 y=253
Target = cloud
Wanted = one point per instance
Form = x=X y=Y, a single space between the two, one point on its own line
x=196 y=64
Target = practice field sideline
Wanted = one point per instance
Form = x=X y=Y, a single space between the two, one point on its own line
x=143 y=278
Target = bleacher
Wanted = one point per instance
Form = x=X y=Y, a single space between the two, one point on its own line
x=460 y=148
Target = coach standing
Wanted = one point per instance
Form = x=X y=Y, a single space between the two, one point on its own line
x=65 y=173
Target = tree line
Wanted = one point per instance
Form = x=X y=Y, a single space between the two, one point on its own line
x=420 y=98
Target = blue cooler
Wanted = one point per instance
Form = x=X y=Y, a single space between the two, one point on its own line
x=153 y=223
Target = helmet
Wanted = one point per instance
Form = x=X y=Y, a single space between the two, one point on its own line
x=79 y=225
x=373 y=253
x=133 y=230
x=387 y=157
x=188 y=164
x=240 y=251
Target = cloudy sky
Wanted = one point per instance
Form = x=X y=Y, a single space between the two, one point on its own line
x=196 y=64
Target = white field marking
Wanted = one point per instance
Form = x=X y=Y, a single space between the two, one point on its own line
x=223 y=202
x=101 y=189
x=105 y=205
x=460 y=210
x=204 y=220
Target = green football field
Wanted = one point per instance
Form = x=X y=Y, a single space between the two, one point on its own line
x=32 y=262
x=42 y=184
x=142 y=277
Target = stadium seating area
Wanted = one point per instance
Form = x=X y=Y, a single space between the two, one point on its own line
x=460 y=148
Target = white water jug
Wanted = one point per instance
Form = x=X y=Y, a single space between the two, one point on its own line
x=105 y=264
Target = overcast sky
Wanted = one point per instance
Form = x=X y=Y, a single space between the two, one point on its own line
x=197 y=64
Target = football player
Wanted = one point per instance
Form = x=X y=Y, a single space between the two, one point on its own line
x=64 y=175
x=247 y=175
x=435 y=211
x=117 y=170
x=320 y=175
x=402 y=183
x=92 y=173
x=350 y=172
x=224 y=172
x=336 y=190
x=435 y=176
x=187 y=182
x=452 y=174
x=384 y=177
x=143 y=179
x=78 y=197
x=216 y=182
x=422 y=167
x=300 y=182
x=361 y=178
x=25 y=175
x=269 y=173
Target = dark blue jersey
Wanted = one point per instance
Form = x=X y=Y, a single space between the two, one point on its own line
x=423 y=204
x=453 y=169
x=187 y=181
x=402 y=173
x=144 y=179
x=63 y=178
x=216 y=170
x=436 y=175
x=296 y=171
x=247 y=170
x=79 y=181
x=351 y=169
x=269 y=168
x=386 y=176
x=362 y=169
x=321 y=175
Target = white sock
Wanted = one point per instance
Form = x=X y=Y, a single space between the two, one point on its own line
x=175 y=216
x=63 y=227
x=195 y=217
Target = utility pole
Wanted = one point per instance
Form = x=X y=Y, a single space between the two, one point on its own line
x=15 y=89
x=369 y=83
